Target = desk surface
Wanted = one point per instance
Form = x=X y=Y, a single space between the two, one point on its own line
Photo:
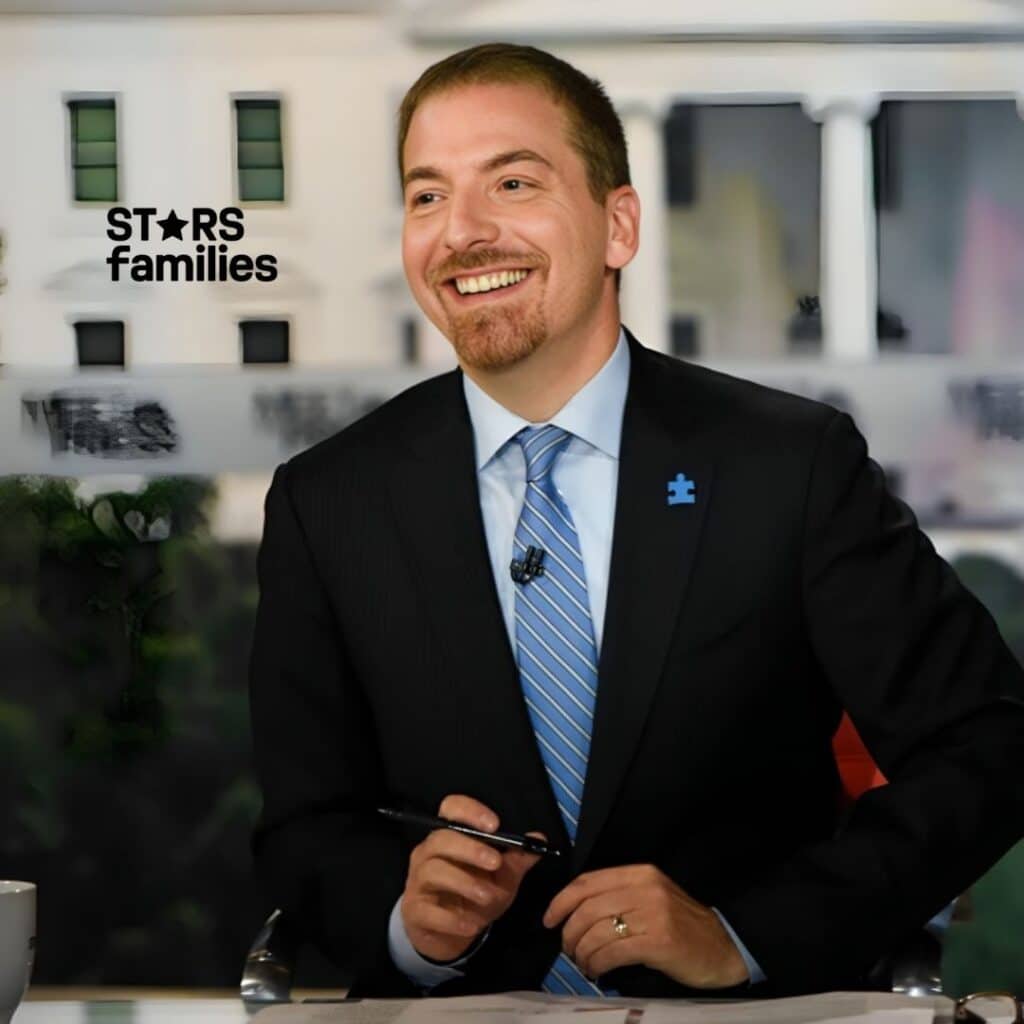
x=133 y=1011
x=202 y=1008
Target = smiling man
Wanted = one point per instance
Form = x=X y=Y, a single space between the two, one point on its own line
x=717 y=570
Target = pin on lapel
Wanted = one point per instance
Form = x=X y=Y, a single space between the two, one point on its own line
x=682 y=491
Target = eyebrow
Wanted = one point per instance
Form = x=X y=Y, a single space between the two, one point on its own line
x=511 y=156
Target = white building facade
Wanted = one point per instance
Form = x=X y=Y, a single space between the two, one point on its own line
x=175 y=70
x=338 y=76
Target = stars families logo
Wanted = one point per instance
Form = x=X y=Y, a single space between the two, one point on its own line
x=210 y=229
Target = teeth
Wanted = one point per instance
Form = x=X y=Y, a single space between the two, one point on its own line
x=488 y=282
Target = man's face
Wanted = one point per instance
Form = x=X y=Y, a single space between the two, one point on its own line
x=503 y=244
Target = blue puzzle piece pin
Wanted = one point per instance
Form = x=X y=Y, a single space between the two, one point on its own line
x=681 y=491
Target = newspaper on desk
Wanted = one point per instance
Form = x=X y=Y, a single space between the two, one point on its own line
x=538 y=1008
x=499 y=1009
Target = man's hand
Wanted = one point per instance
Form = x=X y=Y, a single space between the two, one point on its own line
x=457 y=885
x=666 y=929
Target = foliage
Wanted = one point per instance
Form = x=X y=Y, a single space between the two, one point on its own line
x=125 y=783
x=984 y=951
x=1000 y=588
x=125 y=630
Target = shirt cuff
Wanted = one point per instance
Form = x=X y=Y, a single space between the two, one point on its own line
x=753 y=967
x=420 y=971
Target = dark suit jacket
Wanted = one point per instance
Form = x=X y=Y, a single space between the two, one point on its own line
x=737 y=629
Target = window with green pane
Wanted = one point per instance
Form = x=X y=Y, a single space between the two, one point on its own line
x=94 y=149
x=260 y=159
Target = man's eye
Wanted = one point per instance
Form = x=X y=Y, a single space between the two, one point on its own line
x=513 y=184
x=424 y=198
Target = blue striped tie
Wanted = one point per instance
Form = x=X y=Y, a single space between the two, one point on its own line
x=555 y=649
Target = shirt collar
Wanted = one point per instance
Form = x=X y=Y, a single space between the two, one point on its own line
x=594 y=413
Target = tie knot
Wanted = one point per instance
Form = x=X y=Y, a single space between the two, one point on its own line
x=541 y=446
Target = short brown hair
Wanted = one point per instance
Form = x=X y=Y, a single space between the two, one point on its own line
x=595 y=131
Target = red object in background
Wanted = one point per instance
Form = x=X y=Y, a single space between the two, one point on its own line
x=857 y=770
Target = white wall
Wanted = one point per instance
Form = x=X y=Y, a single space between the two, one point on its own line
x=335 y=238
x=340 y=77
x=567 y=19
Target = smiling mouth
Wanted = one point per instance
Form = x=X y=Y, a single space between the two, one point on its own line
x=468 y=285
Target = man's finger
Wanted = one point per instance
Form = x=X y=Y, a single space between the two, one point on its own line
x=442 y=876
x=635 y=949
x=596 y=914
x=519 y=861
x=458 y=848
x=593 y=883
x=467 y=811
x=455 y=919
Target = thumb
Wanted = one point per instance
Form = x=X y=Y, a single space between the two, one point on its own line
x=519 y=861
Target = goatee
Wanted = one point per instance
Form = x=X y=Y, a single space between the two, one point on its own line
x=489 y=339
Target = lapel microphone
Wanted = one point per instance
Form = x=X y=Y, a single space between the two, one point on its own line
x=530 y=566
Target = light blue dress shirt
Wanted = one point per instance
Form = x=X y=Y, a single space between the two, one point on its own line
x=587 y=475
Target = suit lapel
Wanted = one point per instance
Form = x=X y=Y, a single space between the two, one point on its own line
x=653 y=548
x=494 y=749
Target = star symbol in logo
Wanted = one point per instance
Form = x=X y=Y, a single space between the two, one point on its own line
x=172 y=226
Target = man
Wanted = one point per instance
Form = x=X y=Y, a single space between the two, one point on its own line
x=706 y=572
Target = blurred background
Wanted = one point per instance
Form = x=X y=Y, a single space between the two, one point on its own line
x=833 y=203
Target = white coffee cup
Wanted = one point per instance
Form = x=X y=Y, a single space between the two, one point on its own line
x=17 y=943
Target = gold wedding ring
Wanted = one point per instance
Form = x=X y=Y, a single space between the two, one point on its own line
x=620 y=926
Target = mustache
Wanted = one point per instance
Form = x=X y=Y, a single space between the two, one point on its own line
x=479 y=258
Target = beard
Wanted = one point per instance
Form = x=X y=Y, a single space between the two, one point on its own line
x=492 y=339
x=497 y=337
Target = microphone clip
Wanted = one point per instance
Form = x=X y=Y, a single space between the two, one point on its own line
x=523 y=571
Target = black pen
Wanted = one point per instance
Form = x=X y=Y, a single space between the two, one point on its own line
x=502 y=840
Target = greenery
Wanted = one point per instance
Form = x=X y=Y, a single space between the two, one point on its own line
x=125 y=635
x=986 y=950
x=126 y=789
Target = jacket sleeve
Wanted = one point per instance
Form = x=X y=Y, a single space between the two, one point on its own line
x=318 y=849
x=939 y=701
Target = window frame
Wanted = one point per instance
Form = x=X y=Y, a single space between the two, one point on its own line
x=261 y=318
x=68 y=100
x=236 y=177
x=74 y=319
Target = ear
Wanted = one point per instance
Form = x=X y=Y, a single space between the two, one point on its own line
x=622 y=207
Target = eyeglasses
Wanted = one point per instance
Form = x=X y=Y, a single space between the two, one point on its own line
x=989 y=1008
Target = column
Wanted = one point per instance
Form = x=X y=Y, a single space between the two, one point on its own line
x=644 y=294
x=849 y=264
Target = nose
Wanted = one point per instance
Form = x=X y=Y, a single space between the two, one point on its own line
x=471 y=222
